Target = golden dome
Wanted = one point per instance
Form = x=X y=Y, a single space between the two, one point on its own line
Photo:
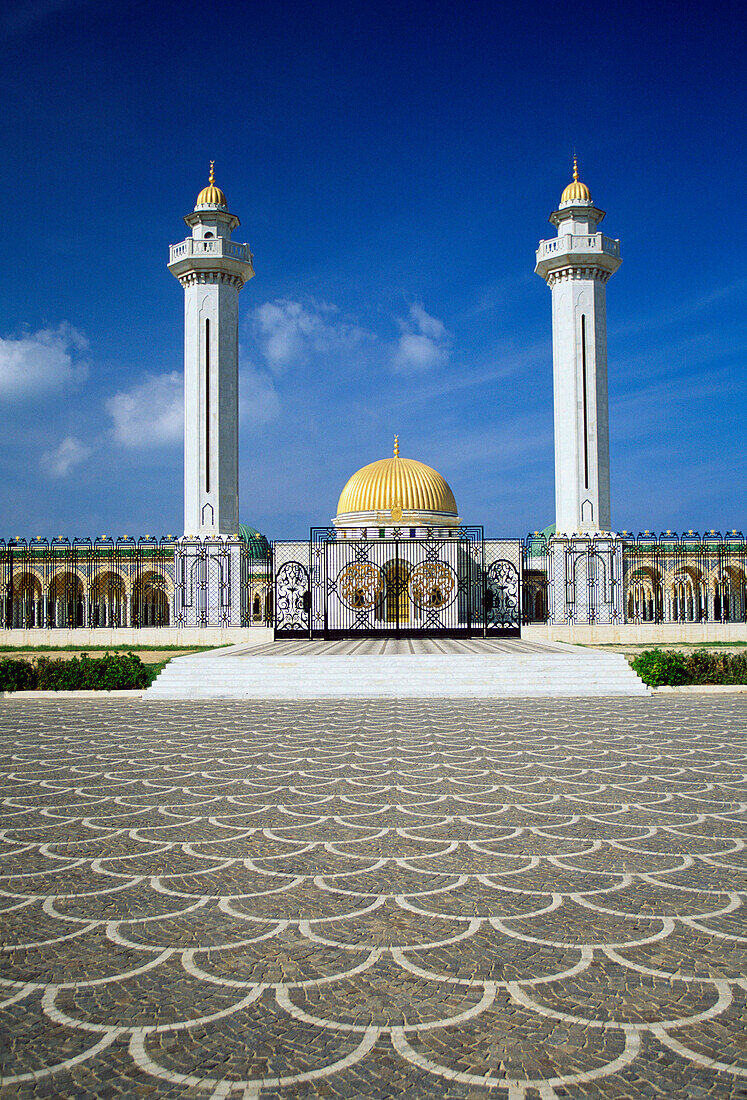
x=211 y=195
x=576 y=191
x=397 y=483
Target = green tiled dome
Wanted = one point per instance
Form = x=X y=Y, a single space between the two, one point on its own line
x=257 y=544
x=537 y=544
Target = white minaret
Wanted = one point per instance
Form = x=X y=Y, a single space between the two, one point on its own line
x=212 y=269
x=576 y=266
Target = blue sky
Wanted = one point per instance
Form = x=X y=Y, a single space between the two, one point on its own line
x=393 y=167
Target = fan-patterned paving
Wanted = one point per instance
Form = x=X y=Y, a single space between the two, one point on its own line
x=443 y=899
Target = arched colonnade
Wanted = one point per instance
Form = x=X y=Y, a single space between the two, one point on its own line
x=688 y=595
x=68 y=599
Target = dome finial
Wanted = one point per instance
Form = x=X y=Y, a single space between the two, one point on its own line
x=396 y=446
x=576 y=191
x=211 y=195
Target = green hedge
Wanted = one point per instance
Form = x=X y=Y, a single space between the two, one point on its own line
x=17 y=675
x=705 y=667
x=658 y=667
x=108 y=673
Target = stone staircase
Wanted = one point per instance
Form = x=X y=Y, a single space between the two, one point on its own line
x=277 y=671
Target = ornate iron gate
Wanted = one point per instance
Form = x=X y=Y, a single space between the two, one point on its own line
x=337 y=587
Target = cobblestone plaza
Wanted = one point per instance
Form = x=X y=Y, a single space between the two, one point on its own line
x=437 y=899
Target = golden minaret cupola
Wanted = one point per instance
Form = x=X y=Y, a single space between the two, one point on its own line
x=576 y=191
x=211 y=196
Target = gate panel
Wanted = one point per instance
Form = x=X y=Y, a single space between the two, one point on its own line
x=292 y=602
x=503 y=587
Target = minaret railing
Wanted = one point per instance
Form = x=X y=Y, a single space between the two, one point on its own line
x=219 y=247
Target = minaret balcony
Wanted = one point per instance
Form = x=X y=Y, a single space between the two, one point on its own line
x=219 y=253
x=578 y=250
x=215 y=246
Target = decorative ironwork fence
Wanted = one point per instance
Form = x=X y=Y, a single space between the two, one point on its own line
x=327 y=586
x=685 y=578
x=292 y=589
x=536 y=595
x=645 y=578
x=572 y=579
x=127 y=582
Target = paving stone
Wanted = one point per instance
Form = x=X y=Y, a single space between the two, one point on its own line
x=439 y=899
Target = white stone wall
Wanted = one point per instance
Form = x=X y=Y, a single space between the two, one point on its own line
x=601 y=410
x=565 y=407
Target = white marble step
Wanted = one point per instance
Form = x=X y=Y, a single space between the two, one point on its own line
x=403 y=676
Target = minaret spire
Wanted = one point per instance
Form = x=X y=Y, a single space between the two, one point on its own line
x=576 y=266
x=212 y=268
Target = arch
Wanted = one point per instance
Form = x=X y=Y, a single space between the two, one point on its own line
x=535 y=597
x=688 y=596
x=728 y=597
x=65 y=600
x=645 y=594
x=27 y=605
x=107 y=604
x=151 y=605
x=721 y=598
x=260 y=604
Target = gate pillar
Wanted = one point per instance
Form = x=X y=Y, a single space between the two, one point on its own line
x=586 y=574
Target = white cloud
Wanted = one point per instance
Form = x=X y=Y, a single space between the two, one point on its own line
x=43 y=361
x=64 y=458
x=289 y=331
x=150 y=413
x=424 y=342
